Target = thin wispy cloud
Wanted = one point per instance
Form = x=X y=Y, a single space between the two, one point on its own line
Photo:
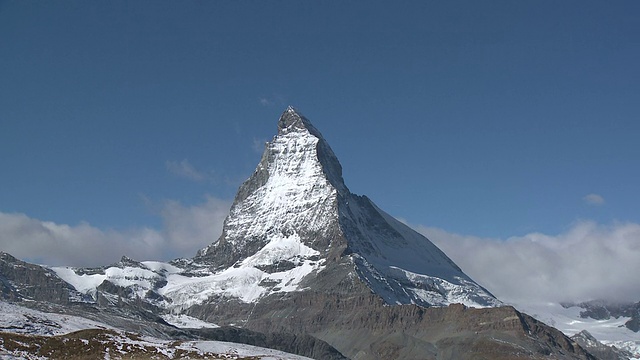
x=273 y=100
x=265 y=102
x=258 y=145
x=185 y=170
x=593 y=199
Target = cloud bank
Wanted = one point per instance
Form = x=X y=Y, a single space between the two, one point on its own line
x=588 y=261
x=184 y=231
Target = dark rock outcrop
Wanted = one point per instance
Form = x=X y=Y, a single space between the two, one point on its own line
x=21 y=280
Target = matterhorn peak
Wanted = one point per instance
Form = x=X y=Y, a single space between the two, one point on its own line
x=294 y=220
x=291 y=117
x=294 y=189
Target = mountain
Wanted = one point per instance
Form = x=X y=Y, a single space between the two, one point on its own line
x=296 y=213
x=306 y=264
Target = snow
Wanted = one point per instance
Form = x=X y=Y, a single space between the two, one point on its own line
x=161 y=267
x=296 y=195
x=22 y=320
x=221 y=347
x=240 y=283
x=83 y=283
x=140 y=280
x=280 y=248
x=185 y=321
x=243 y=282
x=447 y=292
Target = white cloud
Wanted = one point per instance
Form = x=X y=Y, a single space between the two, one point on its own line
x=272 y=100
x=185 y=170
x=258 y=145
x=265 y=101
x=593 y=199
x=185 y=230
x=189 y=229
x=588 y=261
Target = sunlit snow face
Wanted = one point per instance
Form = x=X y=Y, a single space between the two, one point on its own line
x=296 y=195
x=243 y=281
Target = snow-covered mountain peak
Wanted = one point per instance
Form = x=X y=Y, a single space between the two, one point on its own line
x=293 y=192
x=296 y=213
x=293 y=125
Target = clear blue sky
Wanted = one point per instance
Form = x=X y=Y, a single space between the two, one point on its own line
x=488 y=118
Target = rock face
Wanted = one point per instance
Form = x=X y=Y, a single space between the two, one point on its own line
x=20 y=280
x=364 y=327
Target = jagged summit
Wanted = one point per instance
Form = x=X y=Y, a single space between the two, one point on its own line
x=292 y=118
x=292 y=121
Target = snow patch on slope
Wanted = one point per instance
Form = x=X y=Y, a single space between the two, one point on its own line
x=21 y=320
x=280 y=248
x=161 y=267
x=403 y=266
x=187 y=322
x=440 y=292
x=244 y=281
x=83 y=283
x=140 y=280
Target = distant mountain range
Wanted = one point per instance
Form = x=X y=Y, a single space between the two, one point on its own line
x=303 y=266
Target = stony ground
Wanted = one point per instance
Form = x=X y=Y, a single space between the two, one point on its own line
x=109 y=344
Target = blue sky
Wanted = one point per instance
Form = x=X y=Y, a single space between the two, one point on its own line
x=489 y=119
